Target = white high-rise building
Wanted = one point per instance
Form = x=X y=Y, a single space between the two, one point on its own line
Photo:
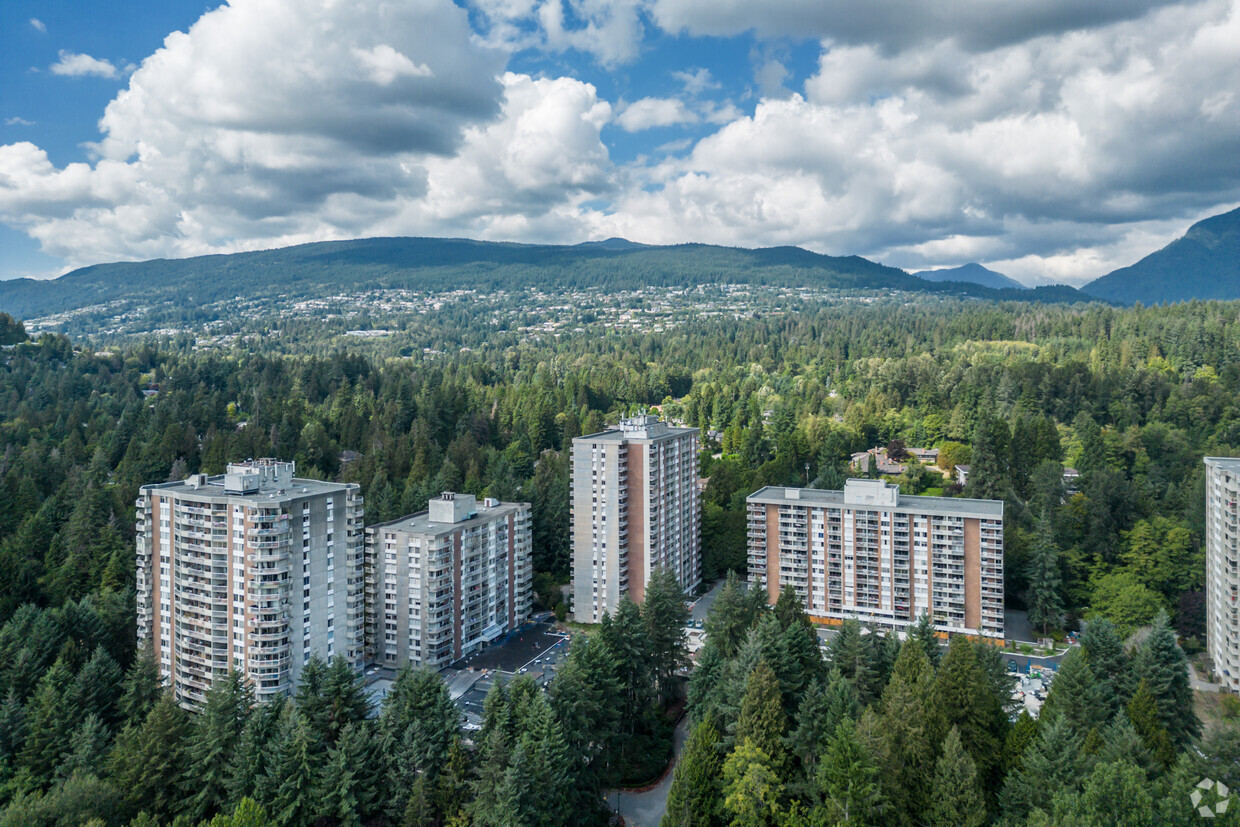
x=873 y=554
x=635 y=508
x=447 y=581
x=253 y=570
x=1223 y=568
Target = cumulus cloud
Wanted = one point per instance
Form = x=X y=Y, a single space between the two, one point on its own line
x=1042 y=154
x=76 y=65
x=38 y=25
x=610 y=30
x=649 y=113
x=896 y=24
x=369 y=120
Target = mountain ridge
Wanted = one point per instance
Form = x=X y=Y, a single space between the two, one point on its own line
x=1204 y=263
x=973 y=273
x=446 y=264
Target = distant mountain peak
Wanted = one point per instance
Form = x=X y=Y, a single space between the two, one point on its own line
x=1204 y=263
x=613 y=243
x=973 y=273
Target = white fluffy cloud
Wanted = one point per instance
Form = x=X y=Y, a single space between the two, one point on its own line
x=1049 y=139
x=38 y=25
x=76 y=65
x=270 y=123
x=1062 y=156
x=648 y=113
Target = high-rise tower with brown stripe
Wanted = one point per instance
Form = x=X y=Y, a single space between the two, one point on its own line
x=872 y=554
x=635 y=508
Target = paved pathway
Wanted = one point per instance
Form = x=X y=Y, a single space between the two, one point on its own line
x=646 y=809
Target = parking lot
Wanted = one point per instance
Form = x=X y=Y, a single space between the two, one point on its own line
x=534 y=649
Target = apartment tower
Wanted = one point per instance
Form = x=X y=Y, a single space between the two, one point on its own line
x=872 y=554
x=445 y=582
x=635 y=508
x=253 y=570
x=1222 y=572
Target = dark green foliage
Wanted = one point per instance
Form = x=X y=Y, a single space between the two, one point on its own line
x=957 y=800
x=967 y=701
x=1043 y=578
x=291 y=773
x=730 y=617
x=694 y=799
x=857 y=658
x=847 y=782
x=1077 y=697
x=1161 y=663
x=149 y=760
x=762 y=719
x=1142 y=712
x=1051 y=763
x=215 y=734
x=1111 y=665
x=665 y=616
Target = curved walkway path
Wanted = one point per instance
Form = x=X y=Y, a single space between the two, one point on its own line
x=645 y=809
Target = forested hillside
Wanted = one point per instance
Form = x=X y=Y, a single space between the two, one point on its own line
x=329 y=267
x=1133 y=398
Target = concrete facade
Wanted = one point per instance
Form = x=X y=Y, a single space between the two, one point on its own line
x=443 y=583
x=872 y=554
x=635 y=507
x=1223 y=568
x=253 y=570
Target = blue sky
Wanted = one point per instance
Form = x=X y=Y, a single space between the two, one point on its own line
x=1048 y=139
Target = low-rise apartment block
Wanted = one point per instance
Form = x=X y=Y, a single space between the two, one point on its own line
x=635 y=507
x=872 y=554
x=445 y=582
x=1223 y=568
x=253 y=570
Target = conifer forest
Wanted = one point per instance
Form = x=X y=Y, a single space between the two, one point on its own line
x=778 y=731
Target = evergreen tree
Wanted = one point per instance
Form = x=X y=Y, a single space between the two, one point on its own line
x=50 y=719
x=141 y=688
x=12 y=727
x=214 y=736
x=902 y=737
x=292 y=772
x=847 y=786
x=1114 y=794
x=1121 y=742
x=348 y=788
x=957 y=796
x=1110 y=663
x=1051 y=763
x=966 y=700
x=1022 y=734
x=344 y=697
x=1162 y=664
x=1043 y=578
x=452 y=789
x=248 y=765
x=923 y=631
x=762 y=718
x=88 y=748
x=1142 y=712
x=821 y=710
x=751 y=787
x=97 y=687
x=1075 y=696
x=419 y=722
x=730 y=616
x=491 y=805
x=694 y=798
x=420 y=809
x=990 y=466
x=854 y=655
x=665 y=616
x=790 y=609
x=148 y=760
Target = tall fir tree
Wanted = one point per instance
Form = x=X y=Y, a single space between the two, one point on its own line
x=348 y=788
x=694 y=798
x=149 y=760
x=1110 y=663
x=1162 y=664
x=957 y=799
x=1044 y=581
x=847 y=789
x=1142 y=713
x=966 y=700
x=665 y=616
x=1052 y=762
x=214 y=736
x=762 y=719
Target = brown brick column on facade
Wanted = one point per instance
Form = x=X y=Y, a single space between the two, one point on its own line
x=456 y=595
x=972 y=574
x=637 y=522
x=512 y=572
x=772 y=553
